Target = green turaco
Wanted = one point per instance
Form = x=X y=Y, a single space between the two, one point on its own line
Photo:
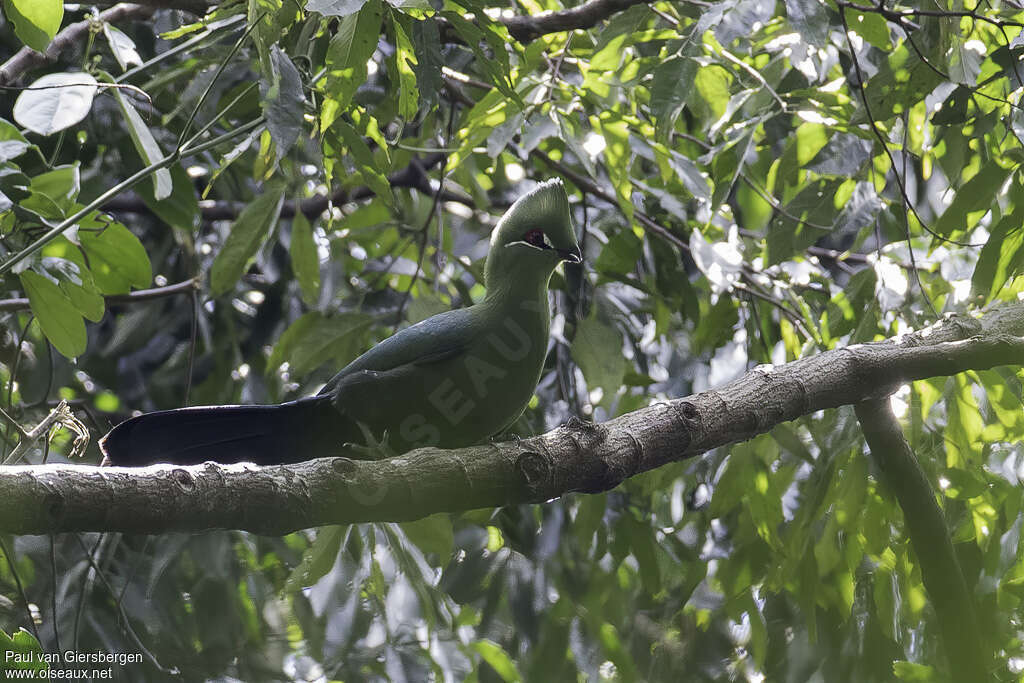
x=451 y=380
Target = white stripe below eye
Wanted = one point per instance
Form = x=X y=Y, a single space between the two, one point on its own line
x=531 y=246
x=547 y=242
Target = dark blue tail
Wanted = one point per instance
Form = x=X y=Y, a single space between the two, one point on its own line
x=265 y=435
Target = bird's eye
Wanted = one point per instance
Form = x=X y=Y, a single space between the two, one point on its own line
x=536 y=238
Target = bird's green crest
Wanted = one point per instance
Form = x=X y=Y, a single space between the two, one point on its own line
x=546 y=207
x=531 y=239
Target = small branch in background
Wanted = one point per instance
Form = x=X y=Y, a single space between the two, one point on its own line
x=412 y=177
x=26 y=58
x=926 y=527
x=192 y=284
x=61 y=416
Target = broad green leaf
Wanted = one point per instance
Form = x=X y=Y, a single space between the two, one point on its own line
x=117 y=259
x=432 y=534
x=597 y=349
x=305 y=261
x=76 y=282
x=335 y=8
x=360 y=151
x=248 y=232
x=55 y=102
x=181 y=209
x=617 y=154
x=971 y=201
x=426 y=41
x=1002 y=257
x=497 y=70
x=60 y=184
x=12 y=143
x=405 y=64
x=810 y=19
x=122 y=46
x=26 y=653
x=318 y=558
x=58 y=318
x=671 y=86
x=36 y=22
x=283 y=101
x=498 y=659
x=870 y=26
x=146 y=146
x=350 y=48
x=315 y=339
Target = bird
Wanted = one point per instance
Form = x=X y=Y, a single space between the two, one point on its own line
x=452 y=380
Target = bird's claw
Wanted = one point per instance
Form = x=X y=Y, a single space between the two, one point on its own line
x=372 y=449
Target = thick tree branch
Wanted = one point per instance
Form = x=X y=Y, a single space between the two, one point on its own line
x=576 y=457
x=590 y=13
x=26 y=58
x=926 y=527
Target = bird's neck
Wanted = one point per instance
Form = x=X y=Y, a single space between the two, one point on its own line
x=509 y=290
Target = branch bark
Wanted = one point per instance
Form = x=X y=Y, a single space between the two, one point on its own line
x=576 y=457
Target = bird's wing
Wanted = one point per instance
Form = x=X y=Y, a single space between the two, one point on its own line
x=438 y=338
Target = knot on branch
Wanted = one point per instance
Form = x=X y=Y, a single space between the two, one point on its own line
x=586 y=435
x=184 y=479
x=345 y=467
x=535 y=470
x=689 y=419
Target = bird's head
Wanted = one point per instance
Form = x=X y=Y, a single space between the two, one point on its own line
x=533 y=236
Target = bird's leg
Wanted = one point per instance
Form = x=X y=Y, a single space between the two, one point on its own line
x=372 y=449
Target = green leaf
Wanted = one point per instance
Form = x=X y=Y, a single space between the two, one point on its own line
x=55 y=102
x=597 y=349
x=117 y=259
x=60 y=186
x=181 y=209
x=1002 y=257
x=426 y=41
x=315 y=339
x=36 y=22
x=810 y=19
x=618 y=155
x=350 y=48
x=360 y=151
x=335 y=8
x=76 y=282
x=498 y=659
x=22 y=653
x=974 y=197
x=146 y=146
x=671 y=86
x=12 y=143
x=432 y=534
x=305 y=261
x=405 y=64
x=122 y=46
x=283 y=101
x=248 y=232
x=58 y=318
x=870 y=26
x=318 y=558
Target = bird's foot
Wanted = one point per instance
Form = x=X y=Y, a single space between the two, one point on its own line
x=373 y=449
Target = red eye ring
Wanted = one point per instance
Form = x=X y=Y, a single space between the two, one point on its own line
x=535 y=237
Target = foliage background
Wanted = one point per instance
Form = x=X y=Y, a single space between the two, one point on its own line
x=753 y=182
